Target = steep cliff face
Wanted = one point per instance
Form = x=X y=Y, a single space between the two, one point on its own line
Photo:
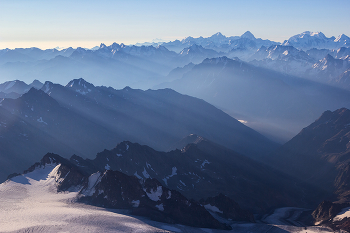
x=320 y=153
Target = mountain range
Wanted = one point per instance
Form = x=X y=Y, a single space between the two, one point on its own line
x=157 y=184
x=145 y=66
x=273 y=103
x=237 y=133
x=82 y=119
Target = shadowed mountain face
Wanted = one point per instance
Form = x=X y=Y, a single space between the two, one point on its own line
x=206 y=169
x=276 y=104
x=156 y=118
x=83 y=119
x=320 y=153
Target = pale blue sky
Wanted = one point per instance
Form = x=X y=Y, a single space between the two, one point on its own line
x=50 y=23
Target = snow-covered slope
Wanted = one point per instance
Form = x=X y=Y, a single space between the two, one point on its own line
x=309 y=40
x=220 y=43
x=31 y=203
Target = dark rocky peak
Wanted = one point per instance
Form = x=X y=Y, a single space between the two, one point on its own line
x=81 y=86
x=190 y=148
x=327 y=210
x=121 y=149
x=113 y=189
x=227 y=208
x=114 y=46
x=218 y=60
x=102 y=46
x=339 y=117
x=190 y=139
x=47 y=87
x=50 y=159
x=248 y=35
x=125 y=145
x=68 y=176
x=35 y=96
x=35 y=106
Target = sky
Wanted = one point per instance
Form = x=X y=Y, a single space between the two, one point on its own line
x=88 y=23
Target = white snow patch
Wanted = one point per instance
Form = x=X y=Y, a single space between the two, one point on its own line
x=149 y=166
x=155 y=195
x=212 y=208
x=345 y=213
x=160 y=207
x=145 y=174
x=81 y=92
x=182 y=183
x=135 y=174
x=204 y=163
x=93 y=180
x=127 y=147
x=243 y=121
x=169 y=195
x=119 y=155
x=107 y=167
x=173 y=173
x=30 y=203
x=135 y=203
x=40 y=119
x=54 y=173
x=47 y=87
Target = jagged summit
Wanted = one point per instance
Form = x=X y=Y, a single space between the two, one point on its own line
x=309 y=40
x=81 y=86
x=102 y=46
x=343 y=39
x=340 y=117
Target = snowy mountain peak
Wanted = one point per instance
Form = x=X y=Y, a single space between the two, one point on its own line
x=313 y=34
x=342 y=38
x=308 y=40
x=248 y=35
